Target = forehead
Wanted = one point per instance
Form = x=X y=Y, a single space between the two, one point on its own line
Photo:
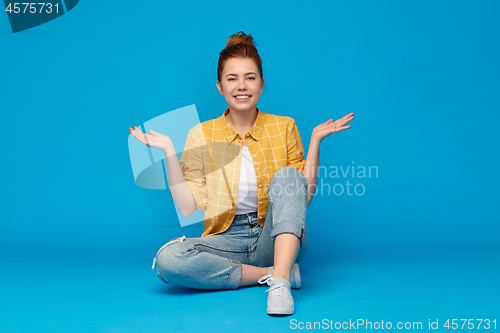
x=239 y=66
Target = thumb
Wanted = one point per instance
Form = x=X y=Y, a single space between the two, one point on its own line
x=153 y=133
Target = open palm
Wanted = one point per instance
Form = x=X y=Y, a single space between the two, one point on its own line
x=153 y=139
x=330 y=126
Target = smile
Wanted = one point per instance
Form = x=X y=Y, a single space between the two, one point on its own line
x=242 y=98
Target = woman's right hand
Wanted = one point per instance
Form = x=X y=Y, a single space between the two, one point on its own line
x=154 y=139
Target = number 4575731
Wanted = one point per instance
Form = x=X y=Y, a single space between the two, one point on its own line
x=455 y=323
x=32 y=7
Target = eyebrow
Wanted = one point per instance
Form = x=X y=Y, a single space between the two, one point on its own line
x=237 y=74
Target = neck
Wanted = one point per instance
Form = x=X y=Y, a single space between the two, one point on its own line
x=242 y=121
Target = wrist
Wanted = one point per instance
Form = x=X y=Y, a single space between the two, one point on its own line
x=315 y=139
x=169 y=152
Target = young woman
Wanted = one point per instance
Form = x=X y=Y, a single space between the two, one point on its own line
x=246 y=169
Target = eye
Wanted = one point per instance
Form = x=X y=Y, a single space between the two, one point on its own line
x=230 y=79
x=253 y=78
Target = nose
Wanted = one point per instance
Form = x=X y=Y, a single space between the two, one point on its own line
x=242 y=84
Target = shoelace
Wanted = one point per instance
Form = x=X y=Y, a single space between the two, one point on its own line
x=275 y=288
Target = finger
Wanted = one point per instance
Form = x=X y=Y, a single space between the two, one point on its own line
x=349 y=119
x=138 y=136
x=342 y=122
x=142 y=137
x=343 y=128
x=154 y=133
x=137 y=129
x=347 y=116
x=146 y=139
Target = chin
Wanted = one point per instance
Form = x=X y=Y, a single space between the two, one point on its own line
x=244 y=109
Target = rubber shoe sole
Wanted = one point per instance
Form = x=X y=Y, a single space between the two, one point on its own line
x=281 y=311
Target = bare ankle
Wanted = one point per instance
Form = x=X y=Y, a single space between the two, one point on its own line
x=283 y=276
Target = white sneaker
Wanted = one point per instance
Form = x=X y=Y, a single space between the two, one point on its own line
x=279 y=299
x=294 y=276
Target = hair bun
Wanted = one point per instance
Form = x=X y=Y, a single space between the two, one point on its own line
x=240 y=37
x=242 y=46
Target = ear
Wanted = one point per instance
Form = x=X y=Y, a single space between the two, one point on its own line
x=219 y=86
x=262 y=84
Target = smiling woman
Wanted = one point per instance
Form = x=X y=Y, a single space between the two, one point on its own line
x=240 y=80
x=241 y=86
x=235 y=167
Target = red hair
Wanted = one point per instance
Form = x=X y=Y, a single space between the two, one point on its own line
x=239 y=45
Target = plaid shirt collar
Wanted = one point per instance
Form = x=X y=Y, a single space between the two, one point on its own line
x=230 y=134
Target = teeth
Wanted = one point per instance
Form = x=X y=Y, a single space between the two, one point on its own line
x=242 y=97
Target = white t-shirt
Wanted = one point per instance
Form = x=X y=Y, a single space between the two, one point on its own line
x=247 y=192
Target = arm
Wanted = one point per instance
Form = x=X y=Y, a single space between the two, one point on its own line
x=295 y=156
x=311 y=168
x=312 y=162
x=181 y=193
x=179 y=189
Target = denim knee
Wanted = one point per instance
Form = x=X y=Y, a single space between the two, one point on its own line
x=285 y=174
x=182 y=264
x=288 y=196
x=168 y=262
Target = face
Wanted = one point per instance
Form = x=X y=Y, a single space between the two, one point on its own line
x=241 y=77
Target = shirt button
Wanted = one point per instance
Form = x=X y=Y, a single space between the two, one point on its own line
x=258 y=168
x=249 y=141
x=260 y=202
x=248 y=134
x=260 y=185
x=260 y=217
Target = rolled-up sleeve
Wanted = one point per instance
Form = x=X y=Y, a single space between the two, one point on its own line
x=192 y=168
x=295 y=155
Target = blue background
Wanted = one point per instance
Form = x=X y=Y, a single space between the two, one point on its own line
x=78 y=236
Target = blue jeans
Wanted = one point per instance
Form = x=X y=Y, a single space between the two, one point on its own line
x=214 y=261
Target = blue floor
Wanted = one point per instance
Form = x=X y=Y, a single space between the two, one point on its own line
x=51 y=291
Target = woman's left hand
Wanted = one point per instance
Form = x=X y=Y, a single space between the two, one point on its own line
x=330 y=126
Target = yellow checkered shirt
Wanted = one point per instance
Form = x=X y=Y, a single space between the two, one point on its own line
x=212 y=158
